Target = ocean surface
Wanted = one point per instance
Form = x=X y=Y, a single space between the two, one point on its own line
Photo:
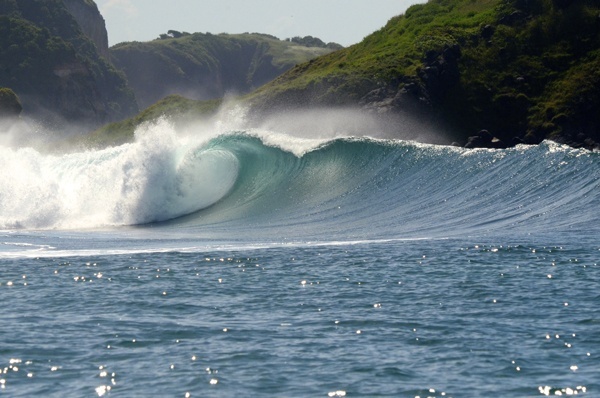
x=249 y=263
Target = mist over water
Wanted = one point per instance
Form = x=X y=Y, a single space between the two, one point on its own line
x=158 y=177
x=339 y=122
x=309 y=169
x=162 y=175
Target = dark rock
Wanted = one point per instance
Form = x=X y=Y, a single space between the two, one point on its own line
x=374 y=96
x=431 y=56
x=431 y=70
x=487 y=32
x=514 y=18
x=517 y=141
x=484 y=139
x=474 y=141
x=91 y=22
x=440 y=72
x=411 y=88
x=497 y=143
x=452 y=53
x=558 y=4
x=591 y=144
x=485 y=135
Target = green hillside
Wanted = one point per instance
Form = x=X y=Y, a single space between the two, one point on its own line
x=522 y=69
x=514 y=70
x=206 y=66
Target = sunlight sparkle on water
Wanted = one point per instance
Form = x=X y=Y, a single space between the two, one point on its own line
x=102 y=390
x=548 y=391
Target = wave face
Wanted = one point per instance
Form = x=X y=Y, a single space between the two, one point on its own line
x=259 y=185
x=364 y=188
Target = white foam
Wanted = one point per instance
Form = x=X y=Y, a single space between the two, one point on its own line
x=53 y=252
x=158 y=177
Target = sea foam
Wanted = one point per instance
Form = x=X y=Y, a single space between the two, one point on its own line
x=158 y=177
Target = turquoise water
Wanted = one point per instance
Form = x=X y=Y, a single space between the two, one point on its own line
x=257 y=264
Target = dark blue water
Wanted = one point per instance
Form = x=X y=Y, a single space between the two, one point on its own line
x=466 y=317
x=334 y=268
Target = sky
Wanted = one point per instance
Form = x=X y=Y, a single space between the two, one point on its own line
x=342 y=21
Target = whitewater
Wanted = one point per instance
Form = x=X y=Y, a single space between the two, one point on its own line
x=225 y=260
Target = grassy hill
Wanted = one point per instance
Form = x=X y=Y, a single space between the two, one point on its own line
x=205 y=66
x=522 y=70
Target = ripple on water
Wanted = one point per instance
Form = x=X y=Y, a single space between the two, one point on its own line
x=488 y=317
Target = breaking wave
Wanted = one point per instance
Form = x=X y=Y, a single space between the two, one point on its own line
x=272 y=185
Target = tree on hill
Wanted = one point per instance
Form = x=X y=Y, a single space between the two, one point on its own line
x=172 y=34
x=310 y=41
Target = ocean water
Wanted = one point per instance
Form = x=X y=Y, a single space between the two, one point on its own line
x=255 y=263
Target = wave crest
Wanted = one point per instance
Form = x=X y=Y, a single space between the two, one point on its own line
x=157 y=178
x=264 y=184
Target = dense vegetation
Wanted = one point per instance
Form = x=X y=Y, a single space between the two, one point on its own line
x=310 y=41
x=55 y=69
x=206 y=66
x=522 y=69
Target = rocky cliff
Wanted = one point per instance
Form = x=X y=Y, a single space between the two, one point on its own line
x=92 y=23
x=56 y=70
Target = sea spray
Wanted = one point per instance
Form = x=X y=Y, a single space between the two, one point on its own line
x=158 y=177
x=267 y=183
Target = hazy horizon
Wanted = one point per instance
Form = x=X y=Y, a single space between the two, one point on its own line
x=342 y=21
